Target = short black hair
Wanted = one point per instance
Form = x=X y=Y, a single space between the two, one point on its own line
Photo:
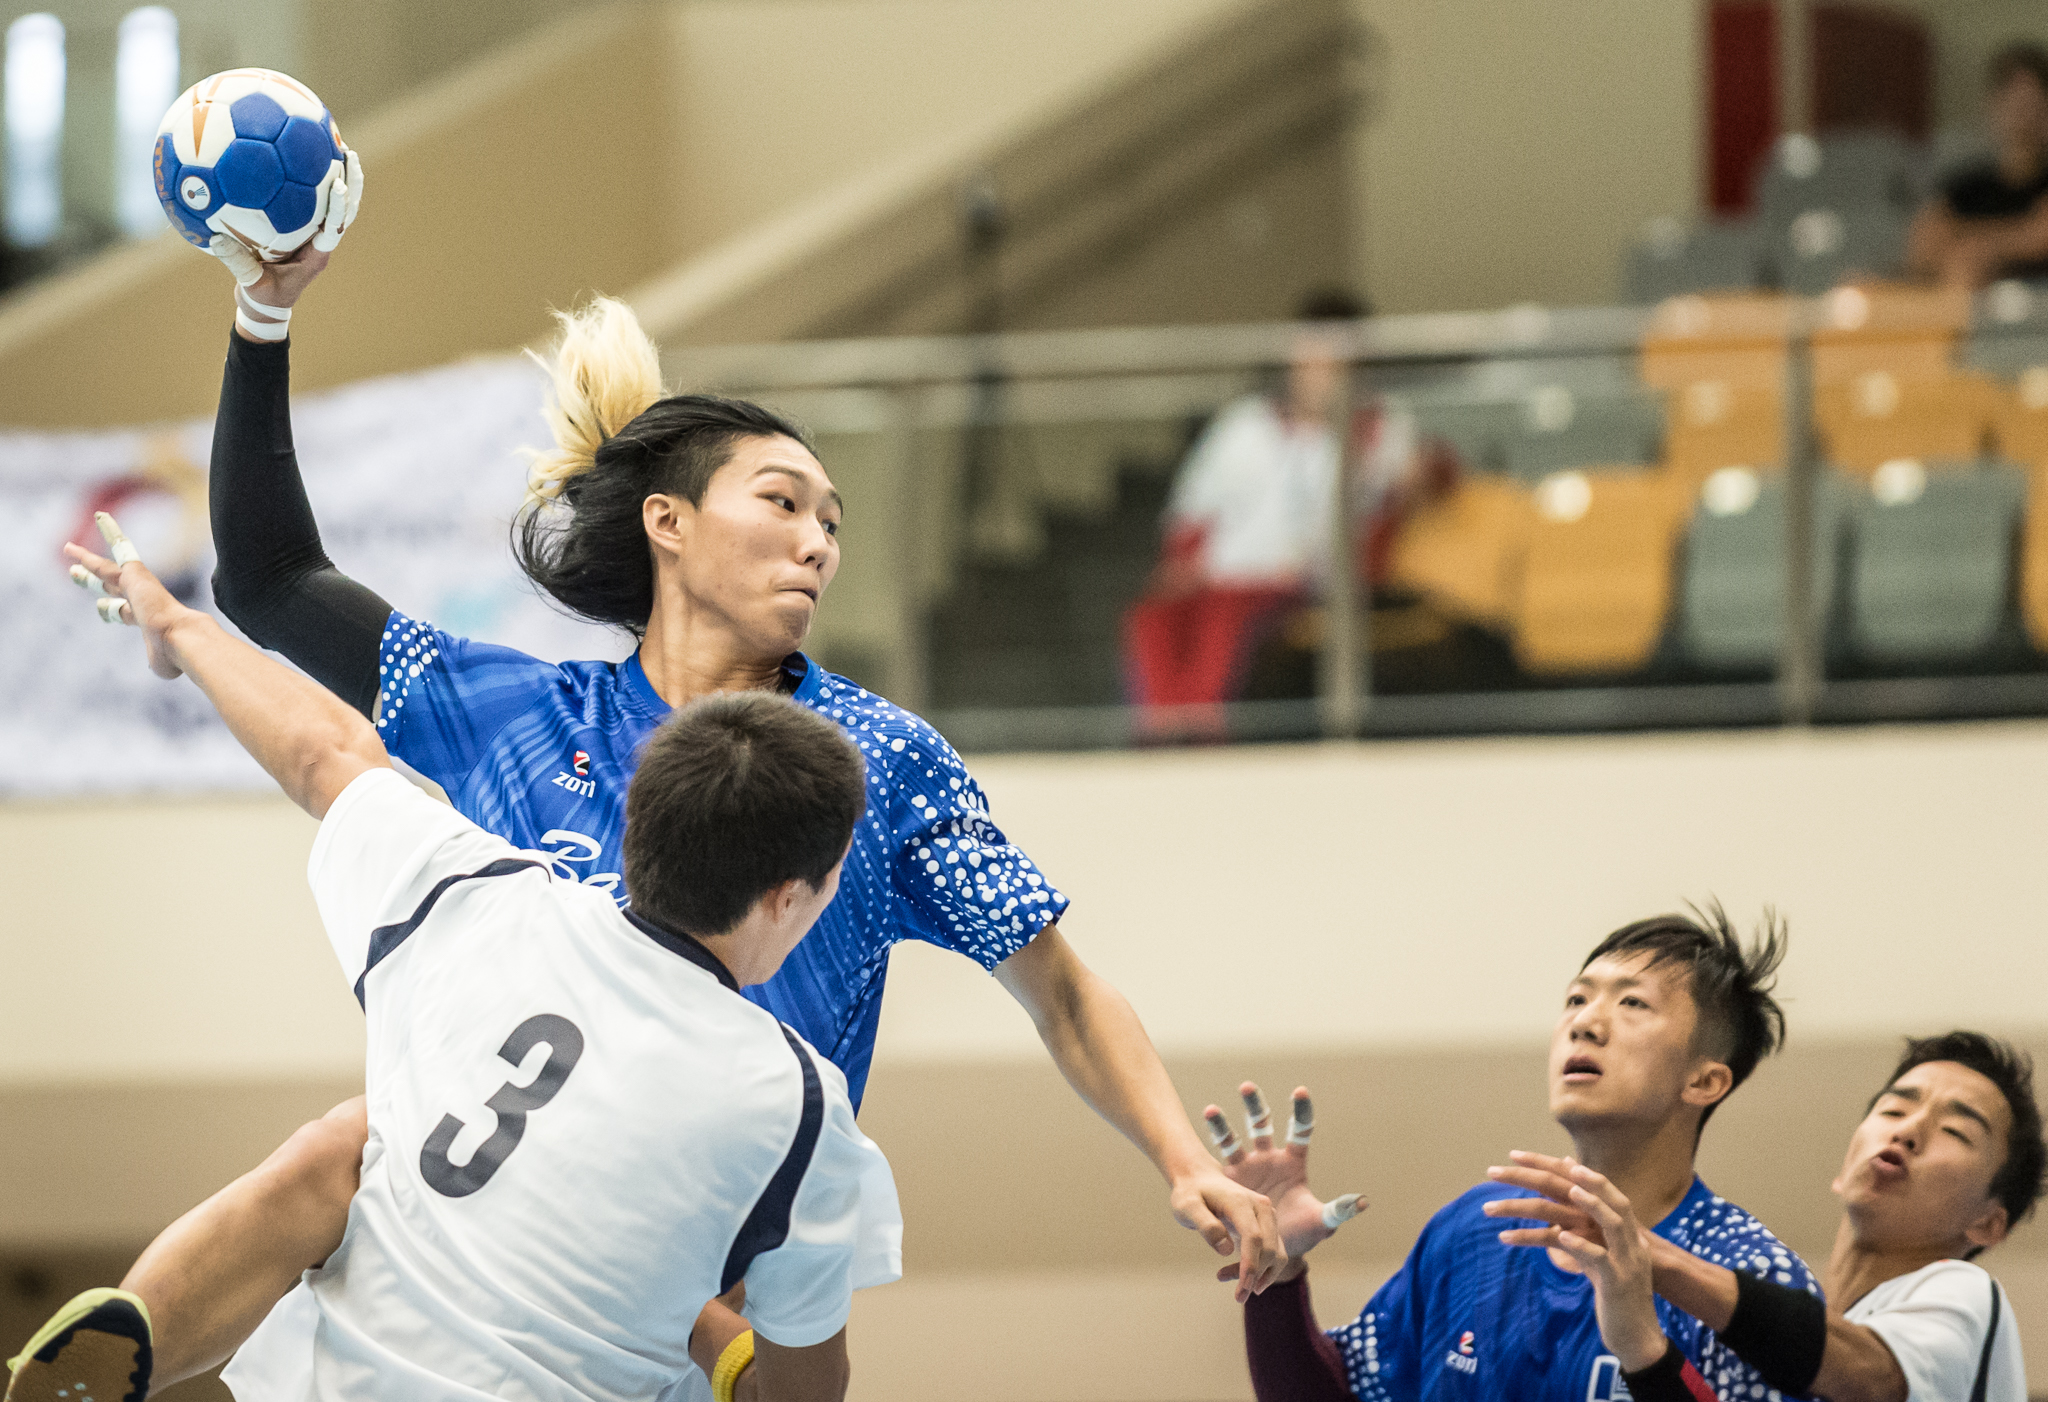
x=735 y=795
x=2021 y=56
x=2017 y=1184
x=1730 y=982
x=1331 y=303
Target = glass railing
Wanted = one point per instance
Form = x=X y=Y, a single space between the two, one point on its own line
x=1737 y=510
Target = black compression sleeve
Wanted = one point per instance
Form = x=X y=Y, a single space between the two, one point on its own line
x=1672 y=1378
x=1779 y=1330
x=272 y=577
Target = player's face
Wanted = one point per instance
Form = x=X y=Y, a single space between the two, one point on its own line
x=763 y=545
x=1623 y=1048
x=1919 y=1167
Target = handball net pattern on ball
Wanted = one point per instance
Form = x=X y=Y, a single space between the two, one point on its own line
x=275 y=163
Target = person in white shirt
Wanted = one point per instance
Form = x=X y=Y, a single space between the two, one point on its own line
x=1246 y=531
x=579 y=1132
x=1949 y=1158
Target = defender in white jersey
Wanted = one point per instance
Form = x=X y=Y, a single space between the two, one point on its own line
x=580 y=1133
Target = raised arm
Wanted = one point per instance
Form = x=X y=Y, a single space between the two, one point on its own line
x=273 y=577
x=304 y=736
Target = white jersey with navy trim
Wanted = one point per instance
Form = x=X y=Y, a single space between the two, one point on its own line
x=1946 y=1324
x=579 y=1134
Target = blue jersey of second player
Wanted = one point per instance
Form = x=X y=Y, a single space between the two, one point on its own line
x=541 y=753
x=1467 y=1318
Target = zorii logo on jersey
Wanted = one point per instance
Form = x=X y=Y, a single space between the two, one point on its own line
x=1606 y=1384
x=578 y=782
x=1462 y=1358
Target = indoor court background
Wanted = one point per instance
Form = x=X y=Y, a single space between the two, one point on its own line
x=1391 y=919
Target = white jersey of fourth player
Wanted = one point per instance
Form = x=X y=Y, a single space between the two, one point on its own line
x=580 y=1133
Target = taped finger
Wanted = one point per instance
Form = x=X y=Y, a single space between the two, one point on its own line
x=85 y=579
x=353 y=168
x=118 y=544
x=1338 y=1211
x=1304 y=1122
x=1258 y=1118
x=114 y=610
x=1222 y=1135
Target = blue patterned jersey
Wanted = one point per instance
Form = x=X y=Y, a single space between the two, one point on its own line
x=540 y=754
x=1469 y=1318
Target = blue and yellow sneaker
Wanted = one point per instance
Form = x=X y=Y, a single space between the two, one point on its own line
x=95 y=1349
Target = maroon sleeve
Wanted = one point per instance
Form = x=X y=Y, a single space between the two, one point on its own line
x=1292 y=1359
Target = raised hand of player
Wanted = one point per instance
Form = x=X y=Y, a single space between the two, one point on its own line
x=1615 y=1256
x=1280 y=1173
x=281 y=284
x=129 y=593
x=1551 y=1179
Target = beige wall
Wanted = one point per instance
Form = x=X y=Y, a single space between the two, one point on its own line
x=1518 y=148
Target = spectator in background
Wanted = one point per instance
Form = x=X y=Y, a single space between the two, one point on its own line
x=1247 y=528
x=1990 y=220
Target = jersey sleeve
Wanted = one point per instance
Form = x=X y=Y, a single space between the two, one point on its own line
x=845 y=1232
x=442 y=698
x=381 y=849
x=965 y=885
x=1937 y=1332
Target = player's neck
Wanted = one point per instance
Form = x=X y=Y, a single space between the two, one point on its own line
x=688 y=653
x=1862 y=1261
x=1652 y=1165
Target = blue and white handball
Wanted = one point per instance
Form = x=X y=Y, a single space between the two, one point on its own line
x=249 y=153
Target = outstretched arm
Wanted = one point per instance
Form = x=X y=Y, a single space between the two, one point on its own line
x=273 y=576
x=304 y=736
x=1101 y=1048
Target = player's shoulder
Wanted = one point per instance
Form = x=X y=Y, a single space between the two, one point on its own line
x=1728 y=1235
x=1963 y=1284
x=891 y=739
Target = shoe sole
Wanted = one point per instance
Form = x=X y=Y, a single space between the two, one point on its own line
x=95 y=1349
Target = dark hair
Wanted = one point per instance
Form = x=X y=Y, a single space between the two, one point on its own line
x=594 y=559
x=2022 y=56
x=1331 y=303
x=1730 y=983
x=735 y=795
x=2017 y=1184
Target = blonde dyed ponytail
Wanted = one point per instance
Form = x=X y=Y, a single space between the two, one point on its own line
x=605 y=372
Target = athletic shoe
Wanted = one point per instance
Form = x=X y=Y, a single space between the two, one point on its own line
x=95 y=1349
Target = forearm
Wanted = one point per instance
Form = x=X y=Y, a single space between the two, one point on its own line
x=303 y=735
x=1857 y=1366
x=717 y=1326
x=1799 y=1346
x=1291 y=1358
x=273 y=577
x=1102 y=1049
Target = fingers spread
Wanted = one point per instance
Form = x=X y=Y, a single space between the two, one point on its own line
x=1222 y=1135
x=1535 y=1209
x=1304 y=1122
x=123 y=552
x=1554 y=1186
x=87 y=580
x=1258 y=1119
x=1529 y=1236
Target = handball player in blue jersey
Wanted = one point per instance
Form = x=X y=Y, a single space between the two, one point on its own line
x=708 y=529
x=1663 y=1021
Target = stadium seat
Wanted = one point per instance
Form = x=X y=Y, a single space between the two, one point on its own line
x=1558 y=429
x=1731 y=612
x=1673 y=258
x=1906 y=331
x=2034 y=558
x=1868 y=170
x=2020 y=424
x=1879 y=416
x=1597 y=582
x=1713 y=425
x=1824 y=246
x=1465 y=552
x=2006 y=354
x=1476 y=429
x=1930 y=569
x=1733 y=339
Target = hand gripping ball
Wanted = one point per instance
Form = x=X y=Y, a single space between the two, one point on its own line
x=250 y=153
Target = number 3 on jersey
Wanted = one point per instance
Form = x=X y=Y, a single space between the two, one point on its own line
x=511 y=1103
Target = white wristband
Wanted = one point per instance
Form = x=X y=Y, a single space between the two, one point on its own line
x=262 y=330
x=243 y=298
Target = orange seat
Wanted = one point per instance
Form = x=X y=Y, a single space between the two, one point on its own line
x=1464 y=552
x=2034 y=557
x=1734 y=339
x=1712 y=424
x=2020 y=425
x=1879 y=416
x=1597 y=583
x=1905 y=331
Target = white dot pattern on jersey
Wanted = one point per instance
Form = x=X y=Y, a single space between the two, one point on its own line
x=403 y=654
x=1713 y=1229
x=950 y=855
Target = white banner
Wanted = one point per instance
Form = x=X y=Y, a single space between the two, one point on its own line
x=414 y=480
